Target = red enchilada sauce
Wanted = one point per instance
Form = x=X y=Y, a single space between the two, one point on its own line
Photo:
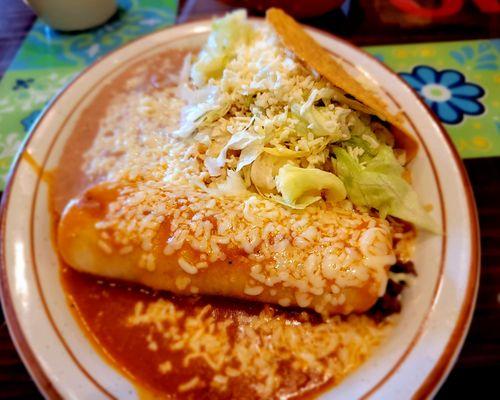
x=104 y=307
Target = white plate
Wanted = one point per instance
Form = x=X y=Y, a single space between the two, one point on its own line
x=436 y=309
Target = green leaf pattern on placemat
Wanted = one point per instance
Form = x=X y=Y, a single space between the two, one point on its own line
x=484 y=56
x=24 y=95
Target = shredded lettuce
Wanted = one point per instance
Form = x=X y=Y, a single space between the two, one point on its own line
x=342 y=97
x=234 y=185
x=307 y=201
x=263 y=171
x=250 y=143
x=250 y=153
x=303 y=186
x=247 y=98
x=320 y=121
x=204 y=106
x=281 y=151
x=183 y=91
x=380 y=185
x=226 y=35
x=359 y=127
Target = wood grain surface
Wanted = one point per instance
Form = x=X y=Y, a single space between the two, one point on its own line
x=366 y=22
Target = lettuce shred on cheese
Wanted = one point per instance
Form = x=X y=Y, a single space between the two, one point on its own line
x=266 y=123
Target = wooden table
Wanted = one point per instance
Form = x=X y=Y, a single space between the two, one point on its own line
x=478 y=366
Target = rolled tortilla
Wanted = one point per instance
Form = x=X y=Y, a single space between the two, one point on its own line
x=88 y=248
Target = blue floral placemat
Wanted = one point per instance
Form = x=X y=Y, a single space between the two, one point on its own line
x=460 y=82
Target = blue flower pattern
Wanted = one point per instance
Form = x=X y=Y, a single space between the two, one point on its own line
x=446 y=92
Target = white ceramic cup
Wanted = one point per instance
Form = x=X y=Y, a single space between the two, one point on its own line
x=73 y=15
